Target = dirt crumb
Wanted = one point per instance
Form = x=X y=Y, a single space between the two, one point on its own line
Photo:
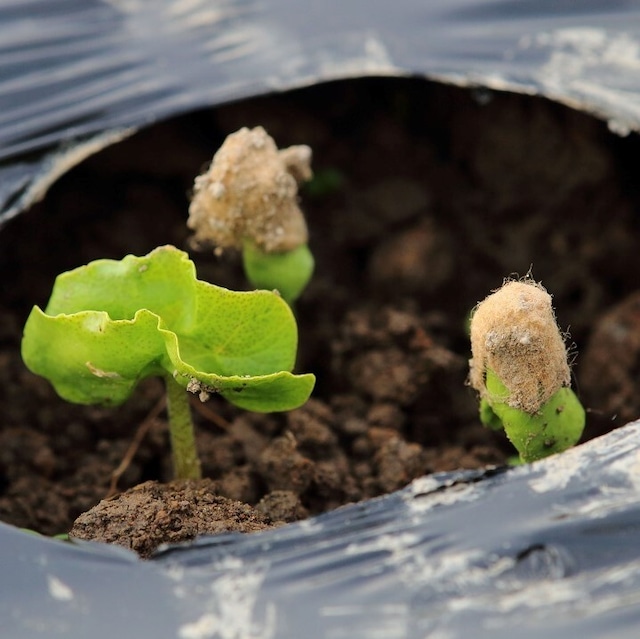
x=283 y=467
x=610 y=363
x=151 y=514
x=282 y=506
x=398 y=462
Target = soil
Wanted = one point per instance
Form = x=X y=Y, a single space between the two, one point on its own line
x=426 y=197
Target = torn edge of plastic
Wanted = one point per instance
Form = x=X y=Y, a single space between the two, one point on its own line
x=59 y=162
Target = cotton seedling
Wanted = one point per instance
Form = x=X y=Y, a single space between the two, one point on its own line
x=111 y=323
x=519 y=368
x=248 y=200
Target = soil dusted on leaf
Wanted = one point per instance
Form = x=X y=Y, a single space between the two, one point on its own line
x=424 y=200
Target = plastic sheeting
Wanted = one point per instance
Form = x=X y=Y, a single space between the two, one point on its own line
x=77 y=75
x=547 y=550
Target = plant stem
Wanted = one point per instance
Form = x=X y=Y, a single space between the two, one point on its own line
x=186 y=464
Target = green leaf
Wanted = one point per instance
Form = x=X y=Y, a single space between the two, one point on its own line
x=240 y=333
x=287 y=272
x=91 y=359
x=325 y=182
x=488 y=417
x=110 y=324
x=557 y=426
x=163 y=282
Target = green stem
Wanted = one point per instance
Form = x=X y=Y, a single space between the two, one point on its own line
x=186 y=464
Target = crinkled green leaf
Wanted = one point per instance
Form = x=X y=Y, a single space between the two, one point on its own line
x=163 y=282
x=91 y=359
x=110 y=324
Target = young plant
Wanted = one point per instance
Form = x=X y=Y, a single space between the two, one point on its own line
x=519 y=367
x=248 y=200
x=110 y=324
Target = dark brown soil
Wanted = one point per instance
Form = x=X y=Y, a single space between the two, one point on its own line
x=151 y=514
x=439 y=197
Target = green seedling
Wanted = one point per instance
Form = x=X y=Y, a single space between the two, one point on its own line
x=325 y=182
x=288 y=272
x=59 y=536
x=248 y=200
x=110 y=324
x=520 y=369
